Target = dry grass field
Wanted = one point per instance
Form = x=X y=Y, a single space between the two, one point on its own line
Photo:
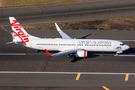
x=127 y=23
x=36 y=2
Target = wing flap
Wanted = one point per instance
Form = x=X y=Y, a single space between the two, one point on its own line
x=60 y=53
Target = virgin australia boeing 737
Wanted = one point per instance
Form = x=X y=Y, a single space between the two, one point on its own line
x=66 y=44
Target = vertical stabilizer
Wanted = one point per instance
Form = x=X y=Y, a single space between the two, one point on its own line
x=19 y=34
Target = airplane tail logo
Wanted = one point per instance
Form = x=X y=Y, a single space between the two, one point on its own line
x=19 y=33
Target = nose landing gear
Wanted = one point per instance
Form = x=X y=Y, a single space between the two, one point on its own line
x=118 y=52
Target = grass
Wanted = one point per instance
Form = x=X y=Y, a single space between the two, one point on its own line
x=35 y=2
x=127 y=23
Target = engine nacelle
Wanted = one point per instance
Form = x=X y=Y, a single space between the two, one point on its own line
x=81 y=53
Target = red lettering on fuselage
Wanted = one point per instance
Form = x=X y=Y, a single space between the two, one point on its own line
x=18 y=32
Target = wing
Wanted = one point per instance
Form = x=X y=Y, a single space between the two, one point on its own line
x=63 y=34
x=60 y=53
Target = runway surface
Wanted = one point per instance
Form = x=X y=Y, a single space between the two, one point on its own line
x=31 y=60
x=64 y=79
x=25 y=59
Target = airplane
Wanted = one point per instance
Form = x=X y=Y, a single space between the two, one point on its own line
x=66 y=45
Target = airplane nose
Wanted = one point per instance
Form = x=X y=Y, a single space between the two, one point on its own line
x=126 y=47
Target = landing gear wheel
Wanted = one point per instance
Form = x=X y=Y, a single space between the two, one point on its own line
x=117 y=54
x=70 y=55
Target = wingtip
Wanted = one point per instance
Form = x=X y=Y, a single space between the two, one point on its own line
x=57 y=27
x=48 y=54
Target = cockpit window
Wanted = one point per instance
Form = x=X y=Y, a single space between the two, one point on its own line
x=122 y=44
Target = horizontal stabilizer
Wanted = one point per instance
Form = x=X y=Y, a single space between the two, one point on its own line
x=10 y=42
x=13 y=42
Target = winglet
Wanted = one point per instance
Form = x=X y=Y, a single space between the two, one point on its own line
x=48 y=54
x=58 y=28
x=63 y=34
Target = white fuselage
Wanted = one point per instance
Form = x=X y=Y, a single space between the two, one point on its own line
x=66 y=44
x=101 y=45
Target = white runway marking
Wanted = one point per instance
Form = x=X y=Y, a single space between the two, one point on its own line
x=128 y=40
x=126 y=55
x=100 y=73
x=120 y=55
x=22 y=54
x=12 y=54
x=45 y=54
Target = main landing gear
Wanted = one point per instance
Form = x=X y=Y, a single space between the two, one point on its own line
x=70 y=55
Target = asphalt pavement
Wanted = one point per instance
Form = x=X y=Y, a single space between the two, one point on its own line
x=25 y=59
x=31 y=60
x=68 y=12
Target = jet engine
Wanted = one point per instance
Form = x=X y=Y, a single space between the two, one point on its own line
x=81 y=53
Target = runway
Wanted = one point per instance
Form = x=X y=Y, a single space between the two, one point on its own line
x=65 y=79
x=30 y=60
x=24 y=59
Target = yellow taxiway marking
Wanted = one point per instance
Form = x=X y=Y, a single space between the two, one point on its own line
x=105 y=87
x=126 y=77
x=5 y=29
x=78 y=76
